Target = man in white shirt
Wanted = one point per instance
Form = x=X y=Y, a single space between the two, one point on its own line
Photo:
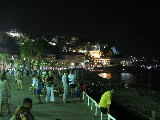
x=65 y=86
x=72 y=81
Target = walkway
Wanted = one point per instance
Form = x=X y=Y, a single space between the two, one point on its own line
x=48 y=111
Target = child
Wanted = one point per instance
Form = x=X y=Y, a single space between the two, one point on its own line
x=39 y=87
x=78 y=92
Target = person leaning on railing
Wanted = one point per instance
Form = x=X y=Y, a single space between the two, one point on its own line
x=105 y=100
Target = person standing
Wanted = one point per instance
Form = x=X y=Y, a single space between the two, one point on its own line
x=72 y=81
x=19 y=80
x=5 y=92
x=78 y=92
x=39 y=85
x=65 y=86
x=49 y=87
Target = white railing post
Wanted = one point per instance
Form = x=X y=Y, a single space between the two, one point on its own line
x=88 y=100
x=101 y=116
x=92 y=105
x=110 y=117
x=85 y=96
x=96 y=110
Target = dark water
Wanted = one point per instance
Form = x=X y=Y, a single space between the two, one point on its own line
x=146 y=79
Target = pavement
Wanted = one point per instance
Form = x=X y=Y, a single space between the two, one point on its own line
x=48 y=111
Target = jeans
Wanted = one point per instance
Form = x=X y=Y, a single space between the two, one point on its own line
x=50 y=94
x=65 y=94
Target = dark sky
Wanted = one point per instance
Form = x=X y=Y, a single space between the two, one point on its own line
x=131 y=25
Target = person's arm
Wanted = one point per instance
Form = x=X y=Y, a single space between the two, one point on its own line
x=46 y=80
x=108 y=107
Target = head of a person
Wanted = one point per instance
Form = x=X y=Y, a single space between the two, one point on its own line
x=27 y=102
x=22 y=113
x=111 y=89
x=3 y=75
x=72 y=71
x=44 y=73
x=65 y=72
x=50 y=72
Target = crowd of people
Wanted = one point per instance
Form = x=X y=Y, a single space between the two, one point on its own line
x=44 y=84
x=41 y=84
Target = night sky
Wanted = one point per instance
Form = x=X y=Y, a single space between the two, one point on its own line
x=131 y=25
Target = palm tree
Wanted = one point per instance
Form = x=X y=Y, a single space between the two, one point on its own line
x=3 y=58
x=27 y=52
x=39 y=46
x=33 y=49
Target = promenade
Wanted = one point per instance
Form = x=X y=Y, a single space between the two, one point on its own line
x=48 y=111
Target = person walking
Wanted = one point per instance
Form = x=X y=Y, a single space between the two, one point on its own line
x=50 y=87
x=65 y=83
x=5 y=92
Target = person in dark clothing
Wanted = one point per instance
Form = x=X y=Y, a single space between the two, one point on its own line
x=27 y=103
x=50 y=87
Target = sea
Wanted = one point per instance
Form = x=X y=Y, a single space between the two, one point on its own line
x=145 y=79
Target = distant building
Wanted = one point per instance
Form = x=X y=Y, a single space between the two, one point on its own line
x=77 y=58
x=14 y=33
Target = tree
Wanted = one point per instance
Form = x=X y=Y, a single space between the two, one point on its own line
x=39 y=46
x=30 y=49
x=3 y=58
x=27 y=52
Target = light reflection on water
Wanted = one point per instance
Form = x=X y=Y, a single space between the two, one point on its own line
x=105 y=75
x=143 y=79
x=124 y=77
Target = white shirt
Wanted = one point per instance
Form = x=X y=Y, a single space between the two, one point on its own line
x=72 y=78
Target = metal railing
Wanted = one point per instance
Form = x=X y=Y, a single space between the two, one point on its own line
x=91 y=102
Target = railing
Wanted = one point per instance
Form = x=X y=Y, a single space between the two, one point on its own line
x=93 y=102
